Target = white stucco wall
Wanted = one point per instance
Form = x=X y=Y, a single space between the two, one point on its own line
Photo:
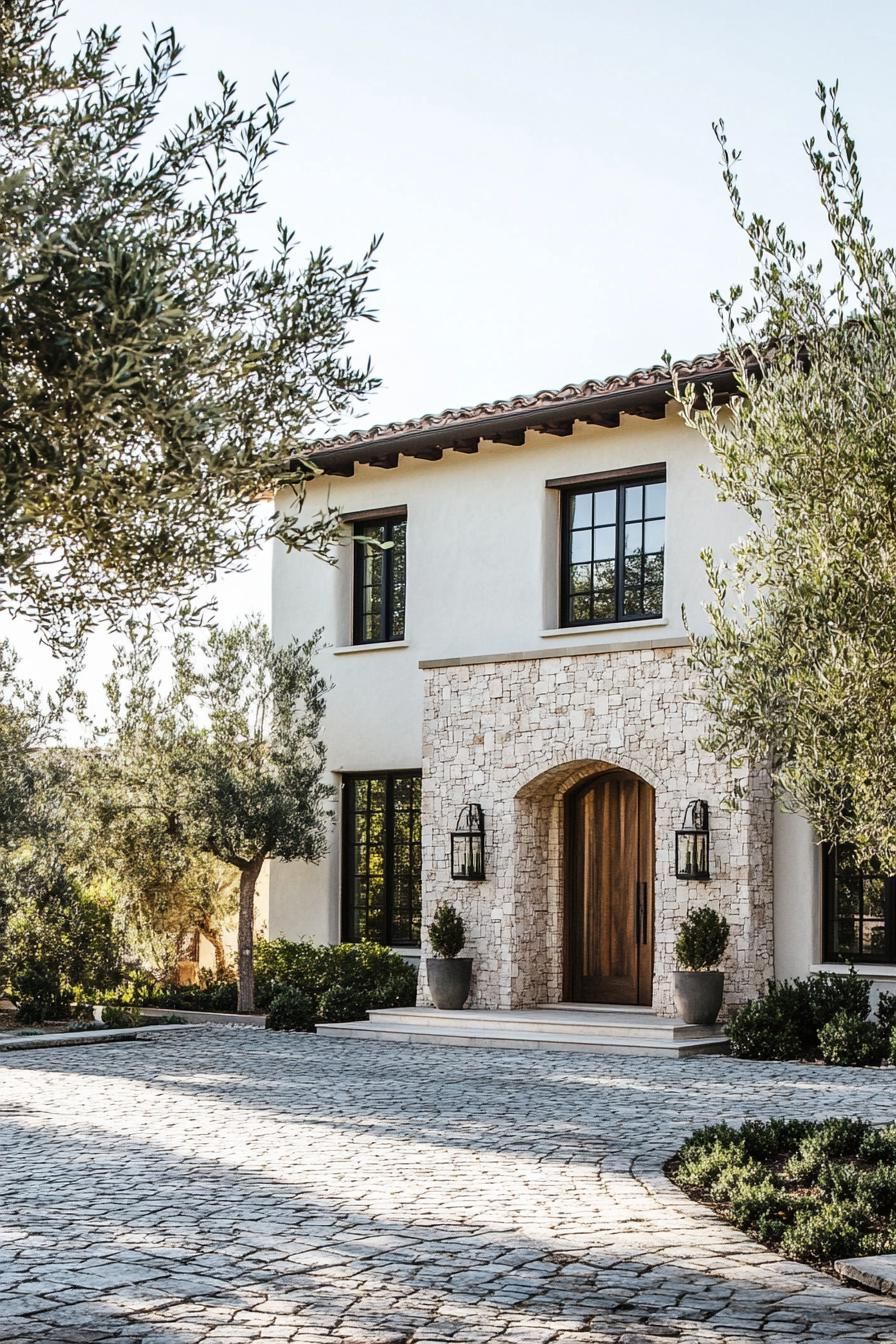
x=482 y=563
x=797 y=896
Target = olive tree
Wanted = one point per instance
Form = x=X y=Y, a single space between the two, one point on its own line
x=258 y=789
x=156 y=373
x=223 y=762
x=799 y=669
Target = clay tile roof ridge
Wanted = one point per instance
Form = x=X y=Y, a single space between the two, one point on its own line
x=652 y=376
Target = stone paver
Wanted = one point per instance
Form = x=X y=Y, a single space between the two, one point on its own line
x=230 y=1186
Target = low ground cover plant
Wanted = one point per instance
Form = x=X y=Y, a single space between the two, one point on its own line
x=817 y=1191
x=826 y=1016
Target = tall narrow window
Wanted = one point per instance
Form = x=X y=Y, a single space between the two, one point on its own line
x=859 y=909
x=613 y=551
x=379 y=580
x=381 y=858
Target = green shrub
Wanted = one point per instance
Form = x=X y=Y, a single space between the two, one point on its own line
x=701 y=940
x=840 y=1180
x=343 y=1003
x=786 y=1022
x=373 y=973
x=822 y=1203
x=210 y=995
x=831 y=994
x=770 y=1028
x=772 y=1138
x=877 y=1189
x=446 y=932
x=758 y=1207
x=59 y=940
x=724 y=1135
x=735 y=1177
x=299 y=965
x=703 y=1164
x=829 y=1141
x=135 y=986
x=121 y=1017
x=291 y=1010
x=384 y=977
x=879 y=1145
x=886 y=1013
x=826 y=1232
x=850 y=1040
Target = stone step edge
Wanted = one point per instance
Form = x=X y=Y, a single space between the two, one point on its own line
x=569 y=1006
x=532 y=1020
x=372 y=1031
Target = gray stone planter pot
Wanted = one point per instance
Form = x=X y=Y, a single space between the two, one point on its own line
x=698 y=995
x=449 y=980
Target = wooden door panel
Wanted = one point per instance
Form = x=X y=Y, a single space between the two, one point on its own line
x=609 y=913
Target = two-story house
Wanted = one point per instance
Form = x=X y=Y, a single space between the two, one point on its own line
x=521 y=646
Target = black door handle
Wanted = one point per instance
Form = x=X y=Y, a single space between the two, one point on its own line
x=642 y=912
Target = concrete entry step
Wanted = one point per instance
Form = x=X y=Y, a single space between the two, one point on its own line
x=560 y=1027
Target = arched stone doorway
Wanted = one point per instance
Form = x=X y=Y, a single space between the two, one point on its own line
x=543 y=950
x=610 y=860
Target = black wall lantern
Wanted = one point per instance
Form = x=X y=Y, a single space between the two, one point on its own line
x=468 y=845
x=692 y=843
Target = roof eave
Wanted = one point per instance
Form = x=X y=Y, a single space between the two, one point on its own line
x=430 y=442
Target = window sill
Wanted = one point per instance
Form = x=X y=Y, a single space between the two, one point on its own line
x=608 y=625
x=868 y=970
x=371 y=648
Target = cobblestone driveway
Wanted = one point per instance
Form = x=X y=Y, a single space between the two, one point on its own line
x=240 y=1186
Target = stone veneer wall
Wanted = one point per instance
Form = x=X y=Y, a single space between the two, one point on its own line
x=515 y=736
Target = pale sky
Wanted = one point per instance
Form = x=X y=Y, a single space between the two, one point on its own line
x=545 y=174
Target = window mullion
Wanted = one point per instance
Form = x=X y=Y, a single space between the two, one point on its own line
x=620 y=553
x=389 y=859
x=358 y=594
x=566 y=557
x=386 y=592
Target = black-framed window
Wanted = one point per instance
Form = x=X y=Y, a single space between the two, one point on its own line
x=859 y=909
x=381 y=858
x=613 y=551
x=379 y=586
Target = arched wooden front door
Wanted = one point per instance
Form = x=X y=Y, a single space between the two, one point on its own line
x=609 y=891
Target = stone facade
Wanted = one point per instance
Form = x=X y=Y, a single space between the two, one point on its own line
x=515 y=735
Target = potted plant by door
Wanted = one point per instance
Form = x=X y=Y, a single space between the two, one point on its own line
x=697 y=987
x=447 y=974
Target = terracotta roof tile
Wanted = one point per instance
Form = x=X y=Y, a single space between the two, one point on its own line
x=656 y=376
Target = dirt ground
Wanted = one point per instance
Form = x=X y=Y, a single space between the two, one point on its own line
x=8 y=1021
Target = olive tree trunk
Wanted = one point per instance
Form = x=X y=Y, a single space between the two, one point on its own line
x=213 y=934
x=246 y=936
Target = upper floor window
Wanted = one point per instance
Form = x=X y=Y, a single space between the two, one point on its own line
x=613 y=550
x=379 y=585
x=859 y=909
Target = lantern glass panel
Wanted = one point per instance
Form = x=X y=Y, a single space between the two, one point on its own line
x=692 y=854
x=467 y=856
